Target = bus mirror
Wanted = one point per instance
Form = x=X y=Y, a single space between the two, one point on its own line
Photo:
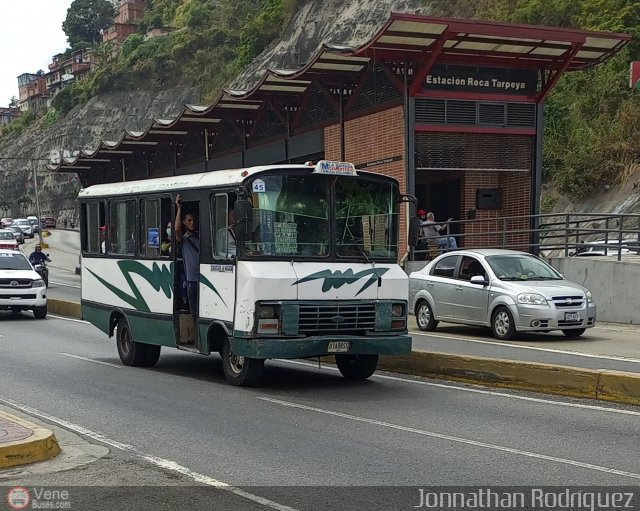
x=414 y=229
x=242 y=209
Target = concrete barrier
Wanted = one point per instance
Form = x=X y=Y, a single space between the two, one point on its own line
x=64 y=308
x=38 y=445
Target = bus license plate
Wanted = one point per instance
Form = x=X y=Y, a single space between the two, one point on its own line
x=572 y=316
x=338 y=346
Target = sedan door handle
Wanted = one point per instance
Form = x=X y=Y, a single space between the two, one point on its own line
x=458 y=288
x=429 y=284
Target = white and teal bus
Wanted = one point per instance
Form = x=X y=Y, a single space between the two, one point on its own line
x=314 y=271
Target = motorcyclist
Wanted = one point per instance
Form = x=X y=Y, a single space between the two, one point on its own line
x=37 y=257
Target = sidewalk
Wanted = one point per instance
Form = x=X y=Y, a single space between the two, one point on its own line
x=22 y=442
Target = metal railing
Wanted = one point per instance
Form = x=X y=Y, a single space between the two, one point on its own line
x=551 y=234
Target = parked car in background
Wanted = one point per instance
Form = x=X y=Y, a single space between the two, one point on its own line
x=47 y=222
x=8 y=240
x=25 y=225
x=34 y=223
x=5 y=222
x=511 y=292
x=17 y=233
x=21 y=288
x=603 y=248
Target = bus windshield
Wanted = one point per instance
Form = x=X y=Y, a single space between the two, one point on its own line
x=292 y=217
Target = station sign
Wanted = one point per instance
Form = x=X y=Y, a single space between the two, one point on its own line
x=486 y=80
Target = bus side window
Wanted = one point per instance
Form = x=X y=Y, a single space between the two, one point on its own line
x=223 y=235
x=94 y=227
x=120 y=234
x=156 y=214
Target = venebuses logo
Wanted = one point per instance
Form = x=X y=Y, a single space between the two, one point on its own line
x=18 y=498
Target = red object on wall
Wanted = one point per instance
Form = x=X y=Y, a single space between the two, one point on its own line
x=634 y=75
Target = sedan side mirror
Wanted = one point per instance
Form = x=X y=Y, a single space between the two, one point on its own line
x=479 y=279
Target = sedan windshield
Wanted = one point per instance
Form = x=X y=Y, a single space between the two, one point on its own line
x=14 y=261
x=521 y=267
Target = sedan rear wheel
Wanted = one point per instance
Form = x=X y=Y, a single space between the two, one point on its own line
x=503 y=325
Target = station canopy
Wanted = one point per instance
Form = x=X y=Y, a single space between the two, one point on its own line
x=406 y=48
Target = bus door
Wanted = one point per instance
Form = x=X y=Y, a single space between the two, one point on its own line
x=187 y=266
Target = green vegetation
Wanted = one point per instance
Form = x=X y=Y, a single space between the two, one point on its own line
x=209 y=45
x=85 y=19
x=592 y=118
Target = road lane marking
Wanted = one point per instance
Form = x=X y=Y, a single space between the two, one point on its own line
x=65 y=285
x=450 y=438
x=69 y=319
x=160 y=462
x=477 y=390
x=91 y=360
x=533 y=348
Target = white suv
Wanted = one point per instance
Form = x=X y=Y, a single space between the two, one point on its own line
x=25 y=225
x=21 y=288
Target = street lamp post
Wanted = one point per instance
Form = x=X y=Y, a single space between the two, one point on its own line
x=35 y=191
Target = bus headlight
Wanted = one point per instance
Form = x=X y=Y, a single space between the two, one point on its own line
x=269 y=319
x=267 y=312
x=398 y=318
x=397 y=310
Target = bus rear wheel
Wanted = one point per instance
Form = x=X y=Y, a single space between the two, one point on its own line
x=133 y=353
x=357 y=367
x=240 y=371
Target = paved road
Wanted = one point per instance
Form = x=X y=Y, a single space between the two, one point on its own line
x=607 y=346
x=308 y=426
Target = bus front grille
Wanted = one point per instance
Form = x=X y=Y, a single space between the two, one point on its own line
x=338 y=318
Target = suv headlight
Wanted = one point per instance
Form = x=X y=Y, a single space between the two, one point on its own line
x=589 y=297
x=38 y=283
x=532 y=299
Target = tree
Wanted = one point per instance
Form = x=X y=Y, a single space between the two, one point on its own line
x=85 y=19
x=14 y=102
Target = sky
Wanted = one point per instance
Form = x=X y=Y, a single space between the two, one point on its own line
x=31 y=34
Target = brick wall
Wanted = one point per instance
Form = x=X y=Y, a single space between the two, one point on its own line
x=371 y=138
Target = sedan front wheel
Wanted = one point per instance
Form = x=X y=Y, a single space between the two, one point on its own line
x=424 y=317
x=503 y=325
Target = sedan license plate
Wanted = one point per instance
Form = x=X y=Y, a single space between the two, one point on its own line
x=572 y=316
x=338 y=346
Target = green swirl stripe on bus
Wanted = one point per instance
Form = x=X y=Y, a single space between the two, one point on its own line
x=338 y=279
x=160 y=278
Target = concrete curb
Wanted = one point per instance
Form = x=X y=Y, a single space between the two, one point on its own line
x=601 y=384
x=40 y=445
x=64 y=308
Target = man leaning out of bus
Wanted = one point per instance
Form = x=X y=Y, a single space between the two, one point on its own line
x=187 y=237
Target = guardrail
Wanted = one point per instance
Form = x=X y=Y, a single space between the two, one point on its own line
x=550 y=234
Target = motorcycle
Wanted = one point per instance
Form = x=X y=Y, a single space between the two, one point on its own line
x=43 y=271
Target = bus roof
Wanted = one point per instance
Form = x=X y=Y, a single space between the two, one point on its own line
x=214 y=178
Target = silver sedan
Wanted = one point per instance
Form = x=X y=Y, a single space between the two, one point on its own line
x=506 y=290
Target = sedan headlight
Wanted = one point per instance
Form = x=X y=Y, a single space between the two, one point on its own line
x=532 y=299
x=589 y=297
x=38 y=283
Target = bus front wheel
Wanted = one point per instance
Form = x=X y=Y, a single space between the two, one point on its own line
x=133 y=353
x=357 y=367
x=241 y=371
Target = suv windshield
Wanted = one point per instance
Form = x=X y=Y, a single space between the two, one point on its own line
x=14 y=261
x=291 y=217
x=521 y=267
